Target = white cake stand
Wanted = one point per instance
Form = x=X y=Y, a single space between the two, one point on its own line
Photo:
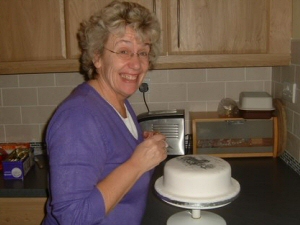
x=194 y=215
x=203 y=218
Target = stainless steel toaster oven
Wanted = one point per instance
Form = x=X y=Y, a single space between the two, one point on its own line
x=168 y=122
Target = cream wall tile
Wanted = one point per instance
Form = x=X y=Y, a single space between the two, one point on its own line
x=53 y=95
x=68 y=79
x=197 y=106
x=137 y=97
x=2 y=134
x=169 y=89
x=293 y=146
x=276 y=74
x=233 y=89
x=294 y=106
x=297 y=77
x=288 y=73
x=43 y=130
x=19 y=96
x=213 y=106
x=156 y=106
x=277 y=90
x=37 y=114
x=167 y=92
x=157 y=76
x=187 y=106
x=296 y=51
x=19 y=133
x=268 y=87
x=10 y=115
x=206 y=91
x=139 y=108
x=297 y=104
x=8 y=81
x=258 y=73
x=296 y=124
x=179 y=105
x=36 y=80
x=290 y=119
x=1 y=99
x=226 y=74
x=187 y=76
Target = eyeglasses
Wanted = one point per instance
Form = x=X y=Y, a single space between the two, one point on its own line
x=127 y=54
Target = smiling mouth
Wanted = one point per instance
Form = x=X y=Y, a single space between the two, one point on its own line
x=129 y=77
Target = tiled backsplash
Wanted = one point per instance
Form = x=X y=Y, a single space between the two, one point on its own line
x=290 y=74
x=289 y=160
x=28 y=101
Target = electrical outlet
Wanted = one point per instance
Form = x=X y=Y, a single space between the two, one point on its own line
x=289 y=92
x=145 y=85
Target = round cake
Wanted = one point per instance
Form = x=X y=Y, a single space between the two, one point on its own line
x=197 y=177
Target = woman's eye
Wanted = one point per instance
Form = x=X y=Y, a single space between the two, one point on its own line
x=143 y=54
x=124 y=52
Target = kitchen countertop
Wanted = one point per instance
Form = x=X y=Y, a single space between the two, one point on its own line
x=270 y=193
x=34 y=184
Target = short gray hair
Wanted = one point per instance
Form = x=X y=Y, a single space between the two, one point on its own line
x=115 y=17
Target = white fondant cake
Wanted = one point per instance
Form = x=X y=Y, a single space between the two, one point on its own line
x=197 y=176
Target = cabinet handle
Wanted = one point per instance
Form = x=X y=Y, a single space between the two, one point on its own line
x=178 y=23
x=235 y=122
x=154 y=6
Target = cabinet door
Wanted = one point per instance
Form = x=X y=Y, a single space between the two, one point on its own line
x=25 y=211
x=31 y=30
x=77 y=11
x=228 y=27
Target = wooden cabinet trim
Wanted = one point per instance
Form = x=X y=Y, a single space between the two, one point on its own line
x=277 y=53
x=164 y=62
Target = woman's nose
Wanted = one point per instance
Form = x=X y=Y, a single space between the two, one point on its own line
x=135 y=61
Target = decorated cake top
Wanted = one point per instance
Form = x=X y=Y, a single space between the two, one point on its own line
x=200 y=163
x=197 y=180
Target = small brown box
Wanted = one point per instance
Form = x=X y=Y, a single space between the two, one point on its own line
x=256 y=114
x=255 y=105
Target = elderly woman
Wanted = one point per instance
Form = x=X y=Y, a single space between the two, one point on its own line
x=100 y=160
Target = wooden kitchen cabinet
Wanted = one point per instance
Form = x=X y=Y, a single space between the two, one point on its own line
x=231 y=33
x=31 y=30
x=77 y=11
x=25 y=211
x=40 y=35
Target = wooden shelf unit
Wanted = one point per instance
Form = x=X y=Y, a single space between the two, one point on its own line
x=233 y=137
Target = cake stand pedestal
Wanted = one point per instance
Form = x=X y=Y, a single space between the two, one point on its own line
x=195 y=217
x=194 y=214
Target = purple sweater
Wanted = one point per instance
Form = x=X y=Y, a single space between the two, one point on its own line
x=86 y=140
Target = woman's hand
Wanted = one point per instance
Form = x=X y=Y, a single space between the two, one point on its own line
x=150 y=152
x=148 y=134
x=146 y=156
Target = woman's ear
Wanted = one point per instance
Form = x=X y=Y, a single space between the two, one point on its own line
x=97 y=61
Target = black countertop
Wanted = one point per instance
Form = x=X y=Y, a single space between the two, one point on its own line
x=270 y=193
x=34 y=184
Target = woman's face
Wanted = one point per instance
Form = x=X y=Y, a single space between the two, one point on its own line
x=121 y=76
